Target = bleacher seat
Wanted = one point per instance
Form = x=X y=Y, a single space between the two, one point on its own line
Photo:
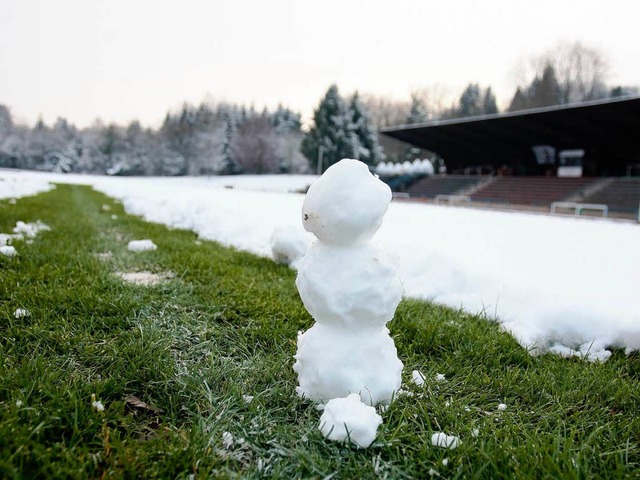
x=535 y=191
x=429 y=187
x=620 y=195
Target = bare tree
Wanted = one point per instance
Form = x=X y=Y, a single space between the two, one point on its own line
x=385 y=111
x=254 y=146
x=438 y=100
x=580 y=71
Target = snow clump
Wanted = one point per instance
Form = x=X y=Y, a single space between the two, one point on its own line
x=8 y=251
x=350 y=287
x=288 y=245
x=141 y=245
x=21 y=313
x=502 y=407
x=350 y=418
x=417 y=377
x=227 y=440
x=30 y=230
x=441 y=439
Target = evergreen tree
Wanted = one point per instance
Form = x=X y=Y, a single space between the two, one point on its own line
x=543 y=91
x=417 y=112
x=470 y=103
x=370 y=151
x=229 y=165
x=333 y=132
x=6 y=124
x=518 y=102
x=489 y=102
x=285 y=120
x=548 y=89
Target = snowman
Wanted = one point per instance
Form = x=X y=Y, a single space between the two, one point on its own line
x=350 y=287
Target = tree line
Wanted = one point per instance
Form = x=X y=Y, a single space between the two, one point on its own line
x=223 y=138
x=197 y=140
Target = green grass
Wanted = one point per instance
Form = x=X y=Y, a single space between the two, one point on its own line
x=225 y=326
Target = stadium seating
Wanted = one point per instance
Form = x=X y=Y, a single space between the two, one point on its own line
x=429 y=187
x=620 y=195
x=536 y=191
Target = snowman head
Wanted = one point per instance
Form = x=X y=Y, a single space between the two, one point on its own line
x=346 y=204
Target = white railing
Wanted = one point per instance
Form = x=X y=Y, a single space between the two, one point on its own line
x=578 y=208
x=400 y=195
x=452 y=199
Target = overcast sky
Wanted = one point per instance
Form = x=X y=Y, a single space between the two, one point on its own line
x=125 y=59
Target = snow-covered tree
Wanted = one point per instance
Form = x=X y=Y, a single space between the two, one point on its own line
x=332 y=134
x=370 y=151
x=229 y=164
x=417 y=112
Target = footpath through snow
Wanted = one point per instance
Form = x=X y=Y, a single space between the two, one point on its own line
x=560 y=284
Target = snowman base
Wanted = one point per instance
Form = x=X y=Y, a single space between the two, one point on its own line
x=334 y=362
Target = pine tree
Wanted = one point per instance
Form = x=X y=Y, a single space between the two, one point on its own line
x=518 y=102
x=417 y=112
x=370 y=151
x=470 y=101
x=230 y=167
x=332 y=132
x=489 y=102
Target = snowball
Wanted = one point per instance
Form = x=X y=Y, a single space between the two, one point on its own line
x=352 y=286
x=417 y=378
x=18 y=403
x=475 y=432
x=141 y=245
x=440 y=377
x=350 y=418
x=346 y=204
x=502 y=407
x=441 y=439
x=8 y=251
x=21 y=313
x=289 y=244
x=333 y=362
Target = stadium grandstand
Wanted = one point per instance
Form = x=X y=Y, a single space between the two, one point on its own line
x=587 y=153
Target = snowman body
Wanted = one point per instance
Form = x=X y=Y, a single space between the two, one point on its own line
x=350 y=287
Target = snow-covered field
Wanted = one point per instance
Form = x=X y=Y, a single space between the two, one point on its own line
x=554 y=283
x=16 y=186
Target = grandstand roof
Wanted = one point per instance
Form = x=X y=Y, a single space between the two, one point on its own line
x=608 y=130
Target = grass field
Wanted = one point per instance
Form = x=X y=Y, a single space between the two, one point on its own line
x=224 y=327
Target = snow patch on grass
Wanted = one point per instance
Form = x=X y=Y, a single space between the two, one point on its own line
x=141 y=245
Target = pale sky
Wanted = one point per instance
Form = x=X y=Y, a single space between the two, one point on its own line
x=125 y=59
